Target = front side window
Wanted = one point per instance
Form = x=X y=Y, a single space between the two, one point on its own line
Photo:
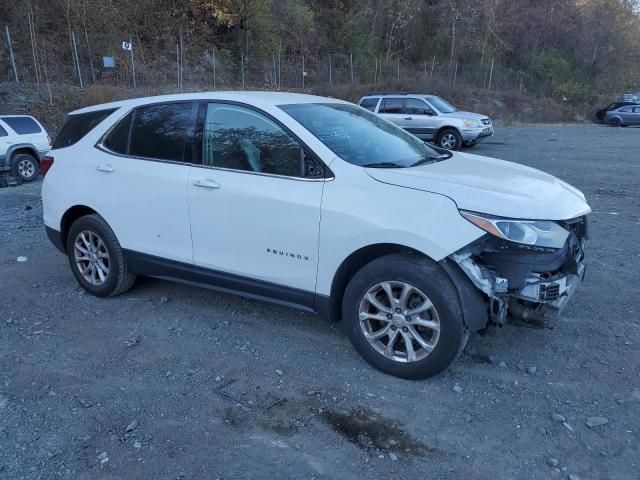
x=414 y=106
x=161 y=131
x=370 y=103
x=22 y=125
x=358 y=136
x=441 y=105
x=240 y=138
x=391 y=105
x=625 y=110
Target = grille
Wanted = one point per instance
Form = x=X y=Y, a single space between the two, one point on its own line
x=486 y=121
x=549 y=292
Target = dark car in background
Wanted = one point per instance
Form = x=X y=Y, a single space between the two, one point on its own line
x=623 y=116
x=600 y=114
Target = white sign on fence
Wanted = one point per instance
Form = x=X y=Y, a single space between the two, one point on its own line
x=127 y=46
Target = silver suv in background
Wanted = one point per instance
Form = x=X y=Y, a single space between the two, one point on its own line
x=429 y=117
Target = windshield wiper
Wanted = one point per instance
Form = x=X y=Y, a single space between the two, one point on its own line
x=382 y=165
x=432 y=158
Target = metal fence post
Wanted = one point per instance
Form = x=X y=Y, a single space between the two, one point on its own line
x=398 y=74
x=75 y=51
x=330 y=72
x=242 y=68
x=13 y=60
x=32 y=35
x=214 y=68
x=433 y=65
x=491 y=74
x=133 y=65
x=351 y=66
x=303 y=72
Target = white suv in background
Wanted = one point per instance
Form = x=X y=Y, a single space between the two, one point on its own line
x=23 y=142
x=317 y=204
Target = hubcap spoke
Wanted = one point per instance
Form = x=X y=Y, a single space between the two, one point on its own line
x=380 y=333
x=423 y=307
x=418 y=338
x=411 y=353
x=426 y=323
x=381 y=317
x=392 y=340
x=374 y=301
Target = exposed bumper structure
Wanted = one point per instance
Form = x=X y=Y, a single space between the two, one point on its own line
x=533 y=286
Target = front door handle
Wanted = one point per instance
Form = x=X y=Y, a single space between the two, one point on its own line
x=205 y=183
x=408 y=118
x=105 y=168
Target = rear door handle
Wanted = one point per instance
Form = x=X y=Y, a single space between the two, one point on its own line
x=206 y=183
x=105 y=168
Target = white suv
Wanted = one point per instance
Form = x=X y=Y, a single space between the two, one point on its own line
x=317 y=204
x=23 y=142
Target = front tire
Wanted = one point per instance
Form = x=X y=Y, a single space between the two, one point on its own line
x=450 y=139
x=403 y=315
x=25 y=167
x=96 y=258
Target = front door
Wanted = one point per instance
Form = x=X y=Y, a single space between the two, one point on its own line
x=255 y=218
x=419 y=118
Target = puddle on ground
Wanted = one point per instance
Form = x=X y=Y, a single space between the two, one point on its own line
x=369 y=430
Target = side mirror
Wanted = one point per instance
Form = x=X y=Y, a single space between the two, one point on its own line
x=428 y=111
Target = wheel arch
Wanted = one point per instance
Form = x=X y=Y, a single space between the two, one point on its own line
x=472 y=302
x=23 y=148
x=331 y=308
x=70 y=216
x=447 y=127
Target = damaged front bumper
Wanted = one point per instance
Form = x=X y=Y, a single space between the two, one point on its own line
x=521 y=283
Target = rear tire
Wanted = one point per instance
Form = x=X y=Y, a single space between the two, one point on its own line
x=25 y=167
x=374 y=319
x=450 y=139
x=96 y=258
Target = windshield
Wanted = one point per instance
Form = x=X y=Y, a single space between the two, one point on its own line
x=441 y=105
x=359 y=136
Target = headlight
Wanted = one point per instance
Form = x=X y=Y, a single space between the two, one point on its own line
x=542 y=233
x=472 y=123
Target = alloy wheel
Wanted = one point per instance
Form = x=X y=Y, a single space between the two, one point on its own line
x=399 y=321
x=448 y=141
x=91 y=257
x=26 y=169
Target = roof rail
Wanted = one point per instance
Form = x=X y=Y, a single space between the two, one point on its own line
x=394 y=93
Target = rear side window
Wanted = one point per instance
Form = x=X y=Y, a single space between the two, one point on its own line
x=161 y=131
x=118 y=140
x=370 y=103
x=391 y=105
x=77 y=126
x=3 y=132
x=22 y=125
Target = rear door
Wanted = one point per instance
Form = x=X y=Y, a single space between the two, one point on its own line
x=419 y=118
x=392 y=109
x=137 y=179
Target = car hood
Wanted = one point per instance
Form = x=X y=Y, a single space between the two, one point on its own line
x=495 y=187
x=469 y=115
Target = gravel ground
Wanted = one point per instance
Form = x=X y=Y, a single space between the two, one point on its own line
x=171 y=381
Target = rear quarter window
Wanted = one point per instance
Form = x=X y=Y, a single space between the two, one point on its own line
x=369 y=103
x=22 y=125
x=77 y=126
x=3 y=132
